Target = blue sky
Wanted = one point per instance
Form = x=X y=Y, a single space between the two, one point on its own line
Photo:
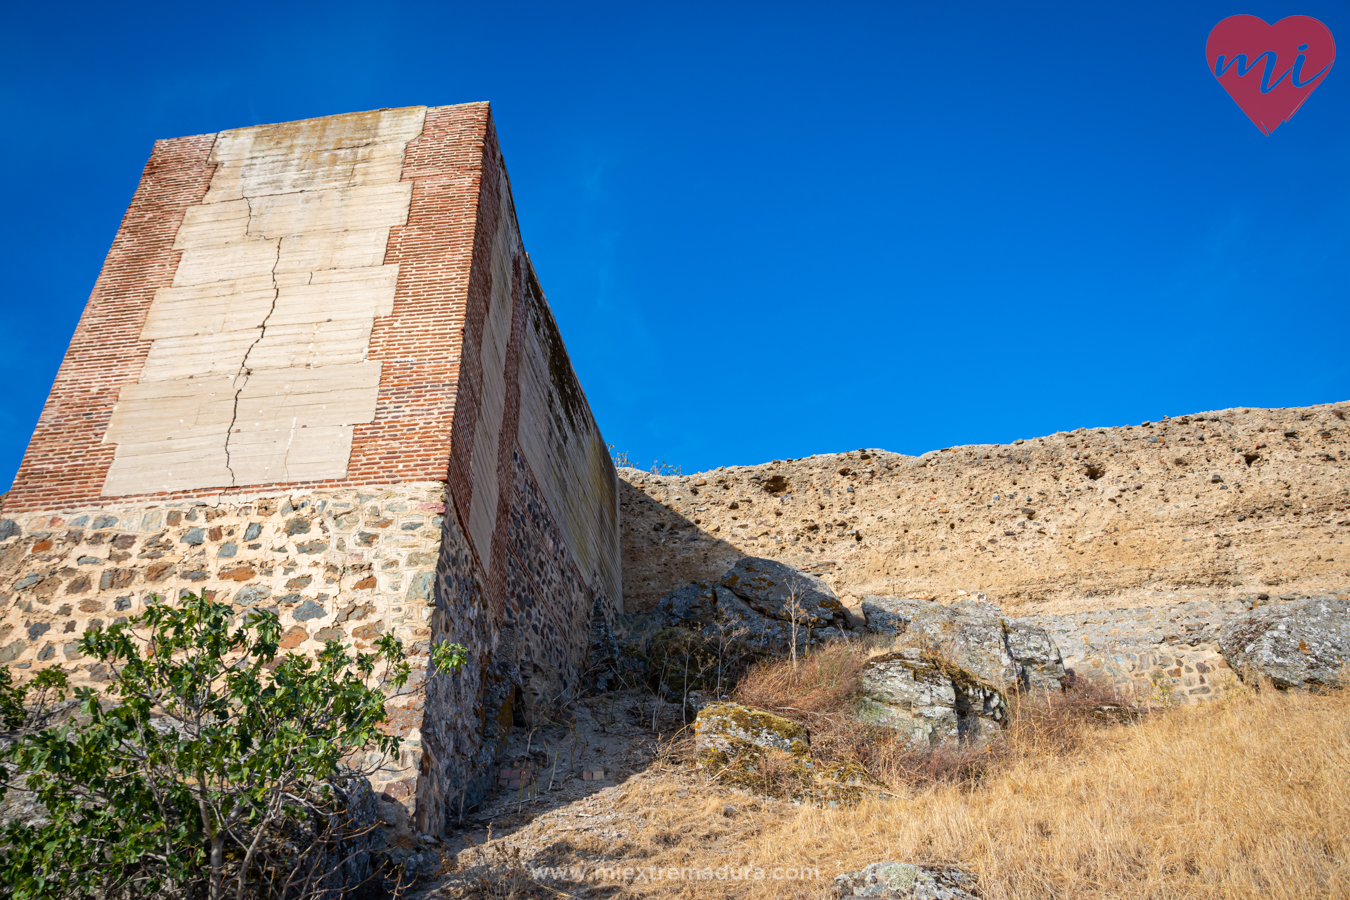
x=769 y=231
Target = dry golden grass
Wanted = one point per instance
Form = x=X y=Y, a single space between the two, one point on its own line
x=821 y=693
x=1246 y=797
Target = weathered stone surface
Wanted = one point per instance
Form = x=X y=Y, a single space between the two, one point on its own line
x=928 y=699
x=1033 y=651
x=973 y=635
x=772 y=587
x=905 y=881
x=722 y=616
x=724 y=731
x=1301 y=644
x=935 y=525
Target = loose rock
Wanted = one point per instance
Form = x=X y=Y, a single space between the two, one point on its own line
x=904 y=881
x=1301 y=644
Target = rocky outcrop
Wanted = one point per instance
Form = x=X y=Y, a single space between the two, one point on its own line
x=1301 y=644
x=905 y=881
x=928 y=699
x=782 y=592
x=973 y=635
x=753 y=606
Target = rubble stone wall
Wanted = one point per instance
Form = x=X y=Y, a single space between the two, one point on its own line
x=345 y=564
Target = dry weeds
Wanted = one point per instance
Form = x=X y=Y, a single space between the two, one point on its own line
x=1245 y=797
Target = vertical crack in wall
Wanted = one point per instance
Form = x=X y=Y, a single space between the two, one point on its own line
x=244 y=371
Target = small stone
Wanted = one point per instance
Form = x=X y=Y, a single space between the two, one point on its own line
x=293 y=638
x=309 y=610
x=1216 y=478
x=115 y=579
x=227 y=550
x=8 y=529
x=194 y=537
x=252 y=531
x=420 y=587
x=252 y=594
x=297 y=525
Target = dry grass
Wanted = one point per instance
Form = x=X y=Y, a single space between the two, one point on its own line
x=823 y=683
x=821 y=691
x=1246 y=797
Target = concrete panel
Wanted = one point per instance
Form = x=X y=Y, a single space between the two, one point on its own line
x=169 y=465
x=343 y=209
x=332 y=250
x=227 y=262
x=329 y=395
x=199 y=355
x=337 y=294
x=340 y=342
x=291 y=452
x=327 y=133
x=212 y=226
x=156 y=410
x=306 y=171
x=492 y=401
x=222 y=306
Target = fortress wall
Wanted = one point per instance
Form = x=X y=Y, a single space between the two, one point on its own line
x=318 y=375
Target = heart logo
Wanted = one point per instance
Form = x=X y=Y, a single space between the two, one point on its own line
x=1270 y=69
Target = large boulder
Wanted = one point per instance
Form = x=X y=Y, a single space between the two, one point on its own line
x=975 y=636
x=726 y=730
x=1304 y=643
x=904 y=881
x=773 y=589
x=720 y=615
x=767 y=754
x=753 y=607
x=928 y=699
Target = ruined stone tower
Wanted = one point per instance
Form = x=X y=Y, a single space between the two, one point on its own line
x=318 y=374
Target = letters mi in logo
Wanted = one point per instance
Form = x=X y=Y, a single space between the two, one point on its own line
x=1270 y=69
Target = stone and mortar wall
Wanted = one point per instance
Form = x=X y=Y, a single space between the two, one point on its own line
x=1159 y=653
x=347 y=565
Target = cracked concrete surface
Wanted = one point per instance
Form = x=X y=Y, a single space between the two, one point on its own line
x=258 y=372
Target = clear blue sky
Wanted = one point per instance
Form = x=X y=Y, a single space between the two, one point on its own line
x=769 y=231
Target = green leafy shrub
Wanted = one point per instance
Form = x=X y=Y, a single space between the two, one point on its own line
x=209 y=767
x=16 y=708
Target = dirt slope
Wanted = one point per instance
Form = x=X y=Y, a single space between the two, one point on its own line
x=1208 y=506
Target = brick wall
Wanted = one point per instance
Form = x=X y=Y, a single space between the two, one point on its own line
x=417 y=345
x=67 y=461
